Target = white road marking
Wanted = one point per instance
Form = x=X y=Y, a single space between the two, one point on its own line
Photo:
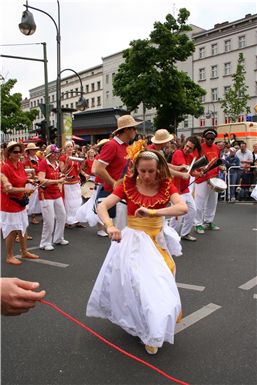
x=196 y=316
x=249 y=285
x=190 y=287
x=255 y=296
x=44 y=261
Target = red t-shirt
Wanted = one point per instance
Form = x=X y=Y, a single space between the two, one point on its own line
x=178 y=159
x=18 y=178
x=128 y=191
x=113 y=154
x=88 y=166
x=211 y=153
x=51 y=172
x=73 y=169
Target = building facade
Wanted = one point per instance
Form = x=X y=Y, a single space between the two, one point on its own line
x=211 y=66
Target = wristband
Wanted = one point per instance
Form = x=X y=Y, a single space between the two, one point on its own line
x=151 y=213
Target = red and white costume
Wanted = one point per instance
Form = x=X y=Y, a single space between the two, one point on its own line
x=12 y=215
x=136 y=288
x=52 y=207
x=205 y=198
x=71 y=190
x=34 y=205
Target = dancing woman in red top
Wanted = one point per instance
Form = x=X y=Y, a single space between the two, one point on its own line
x=136 y=286
x=14 y=217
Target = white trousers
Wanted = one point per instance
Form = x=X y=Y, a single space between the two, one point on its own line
x=184 y=223
x=54 y=215
x=206 y=203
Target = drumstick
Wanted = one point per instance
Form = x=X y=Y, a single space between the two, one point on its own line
x=191 y=165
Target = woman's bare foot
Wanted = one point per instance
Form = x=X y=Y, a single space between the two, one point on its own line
x=29 y=255
x=13 y=261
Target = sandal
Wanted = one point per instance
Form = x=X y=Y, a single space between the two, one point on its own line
x=80 y=225
x=34 y=221
x=17 y=239
x=29 y=237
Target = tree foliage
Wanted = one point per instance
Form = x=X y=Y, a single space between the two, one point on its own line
x=236 y=98
x=11 y=114
x=149 y=74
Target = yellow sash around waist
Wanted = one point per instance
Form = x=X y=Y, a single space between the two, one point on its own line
x=152 y=227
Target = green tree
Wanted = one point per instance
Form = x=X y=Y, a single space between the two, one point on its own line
x=11 y=114
x=236 y=97
x=149 y=74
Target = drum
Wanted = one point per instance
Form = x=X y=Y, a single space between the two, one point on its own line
x=87 y=189
x=217 y=184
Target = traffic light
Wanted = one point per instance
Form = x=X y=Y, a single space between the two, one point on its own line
x=52 y=133
x=41 y=129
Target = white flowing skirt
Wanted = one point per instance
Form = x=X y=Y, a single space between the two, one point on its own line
x=136 y=290
x=86 y=213
x=72 y=201
x=34 y=205
x=13 y=221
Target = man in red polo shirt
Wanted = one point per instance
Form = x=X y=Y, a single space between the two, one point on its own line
x=183 y=225
x=112 y=164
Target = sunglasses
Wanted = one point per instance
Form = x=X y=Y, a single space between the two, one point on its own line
x=209 y=138
x=16 y=152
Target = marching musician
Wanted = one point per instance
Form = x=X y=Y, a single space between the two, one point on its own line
x=205 y=198
x=71 y=187
x=50 y=196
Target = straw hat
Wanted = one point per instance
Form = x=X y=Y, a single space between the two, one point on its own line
x=126 y=121
x=31 y=146
x=161 y=136
x=12 y=144
x=102 y=142
x=51 y=149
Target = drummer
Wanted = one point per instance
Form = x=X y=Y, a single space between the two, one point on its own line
x=71 y=188
x=205 y=198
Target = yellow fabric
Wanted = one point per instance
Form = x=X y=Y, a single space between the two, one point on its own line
x=152 y=227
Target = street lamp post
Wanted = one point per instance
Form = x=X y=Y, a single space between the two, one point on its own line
x=28 y=27
x=211 y=114
x=82 y=103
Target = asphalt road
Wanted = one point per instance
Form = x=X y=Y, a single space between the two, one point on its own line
x=214 y=345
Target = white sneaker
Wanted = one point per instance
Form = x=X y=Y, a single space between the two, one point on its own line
x=102 y=233
x=63 y=242
x=48 y=247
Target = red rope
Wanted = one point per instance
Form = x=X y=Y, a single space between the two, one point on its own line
x=112 y=345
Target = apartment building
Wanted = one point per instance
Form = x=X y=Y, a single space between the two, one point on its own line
x=92 y=88
x=211 y=66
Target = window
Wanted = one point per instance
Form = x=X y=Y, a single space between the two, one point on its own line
x=92 y=102
x=98 y=85
x=107 y=94
x=202 y=122
x=227 y=69
x=113 y=74
x=203 y=99
x=52 y=98
x=186 y=121
x=71 y=105
x=227 y=45
x=202 y=74
x=227 y=120
x=87 y=88
x=71 y=93
x=77 y=90
x=107 y=79
x=214 y=49
x=226 y=89
x=99 y=100
x=241 y=118
x=214 y=71
x=92 y=87
x=201 y=52
x=214 y=94
x=241 y=41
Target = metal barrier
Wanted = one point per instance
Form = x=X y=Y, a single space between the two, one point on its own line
x=238 y=186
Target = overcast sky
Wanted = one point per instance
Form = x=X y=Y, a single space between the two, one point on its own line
x=92 y=29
